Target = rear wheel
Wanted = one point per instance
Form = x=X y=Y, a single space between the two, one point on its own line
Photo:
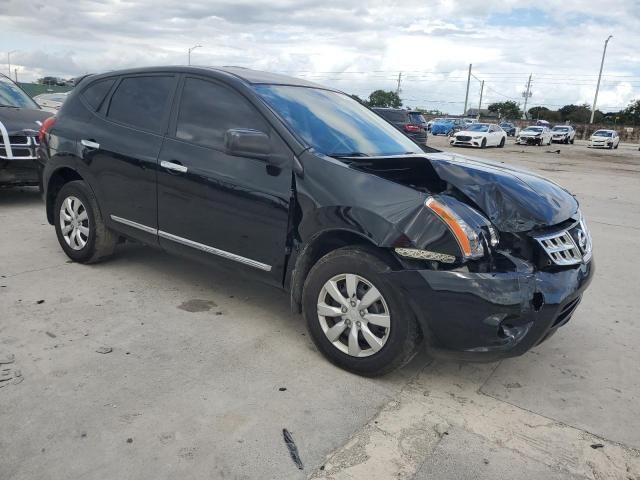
x=81 y=231
x=355 y=315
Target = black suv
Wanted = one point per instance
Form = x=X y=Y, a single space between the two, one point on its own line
x=381 y=245
x=20 y=121
x=412 y=124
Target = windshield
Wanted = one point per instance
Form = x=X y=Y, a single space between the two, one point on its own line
x=478 y=127
x=12 y=96
x=560 y=129
x=533 y=129
x=333 y=123
x=445 y=120
x=506 y=125
x=602 y=133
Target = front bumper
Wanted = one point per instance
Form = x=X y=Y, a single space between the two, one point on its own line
x=529 y=140
x=19 y=173
x=465 y=143
x=489 y=316
x=600 y=144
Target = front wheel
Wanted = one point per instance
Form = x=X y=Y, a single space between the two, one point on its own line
x=501 y=144
x=356 y=316
x=80 y=229
x=484 y=143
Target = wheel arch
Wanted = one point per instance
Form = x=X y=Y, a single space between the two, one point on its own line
x=316 y=248
x=58 y=179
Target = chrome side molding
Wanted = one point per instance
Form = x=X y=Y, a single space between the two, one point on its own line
x=190 y=243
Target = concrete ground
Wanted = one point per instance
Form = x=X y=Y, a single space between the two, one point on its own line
x=207 y=367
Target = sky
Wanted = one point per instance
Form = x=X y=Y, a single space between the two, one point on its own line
x=355 y=46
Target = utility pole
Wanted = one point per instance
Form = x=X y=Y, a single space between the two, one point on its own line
x=16 y=72
x=595 y=99
x=398 y=89
x=466 y=97
x=189 y=53
x=527 y=94
x=480 y=103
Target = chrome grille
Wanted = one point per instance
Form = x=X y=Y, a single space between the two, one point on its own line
x=463 y=138
x=20 y=147
x=568 y=247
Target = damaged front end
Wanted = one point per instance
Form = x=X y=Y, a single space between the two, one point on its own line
x=494 y=261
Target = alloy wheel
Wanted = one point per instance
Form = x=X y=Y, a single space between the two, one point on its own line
x=74 y=223
x=354 y=315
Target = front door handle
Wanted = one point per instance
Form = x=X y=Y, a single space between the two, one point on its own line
x=176 y=167
x=90 y=144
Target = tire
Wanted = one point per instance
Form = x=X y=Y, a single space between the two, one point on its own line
x=549 y=142
x=484 y=143
x=367 y=271
x=76 y=198
x=502 y=142
x=573 y=141
x=566 y=141
x=617 y=145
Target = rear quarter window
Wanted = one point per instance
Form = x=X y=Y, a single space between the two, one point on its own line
x=94 y=94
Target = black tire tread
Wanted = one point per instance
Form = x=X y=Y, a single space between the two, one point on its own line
x=104 y=240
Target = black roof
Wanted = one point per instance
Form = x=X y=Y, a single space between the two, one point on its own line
x=246 y=75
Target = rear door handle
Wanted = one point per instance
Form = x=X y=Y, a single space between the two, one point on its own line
x=173 y=165
x=90 y=144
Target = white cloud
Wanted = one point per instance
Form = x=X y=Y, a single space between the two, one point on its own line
x=323 y=40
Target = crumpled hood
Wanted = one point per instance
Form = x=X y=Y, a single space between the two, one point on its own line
x=15 y=120
x=529 y=133
x=514 y=200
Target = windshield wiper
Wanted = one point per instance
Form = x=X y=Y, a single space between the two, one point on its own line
x=347 y=154
x=8 y=106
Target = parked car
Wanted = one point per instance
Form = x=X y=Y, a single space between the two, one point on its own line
x=20 y=120
x=431 y=122
x=480 y=135
x=407 y=122
x=51 y=102
x=563 y=134
x=380 y=245
x=447 y=126
x=509 y=128
x=534 y=135
x=604 y=139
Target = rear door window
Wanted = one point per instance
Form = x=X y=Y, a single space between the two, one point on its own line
x=94 y=94
x=142 y=102
x=208 y=110
x=394 y=116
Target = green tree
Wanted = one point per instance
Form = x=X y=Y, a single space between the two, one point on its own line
x=579 y=114
x=506 y=110
x=543 y=113
x=381 y=98
x=631 y=114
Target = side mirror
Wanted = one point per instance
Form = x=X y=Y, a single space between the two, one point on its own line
x=244 y=142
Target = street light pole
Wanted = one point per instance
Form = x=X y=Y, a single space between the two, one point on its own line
x=189 y=53
x=595 y=99
x=9 y=60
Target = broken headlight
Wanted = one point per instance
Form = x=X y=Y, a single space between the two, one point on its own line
x=470 y=229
